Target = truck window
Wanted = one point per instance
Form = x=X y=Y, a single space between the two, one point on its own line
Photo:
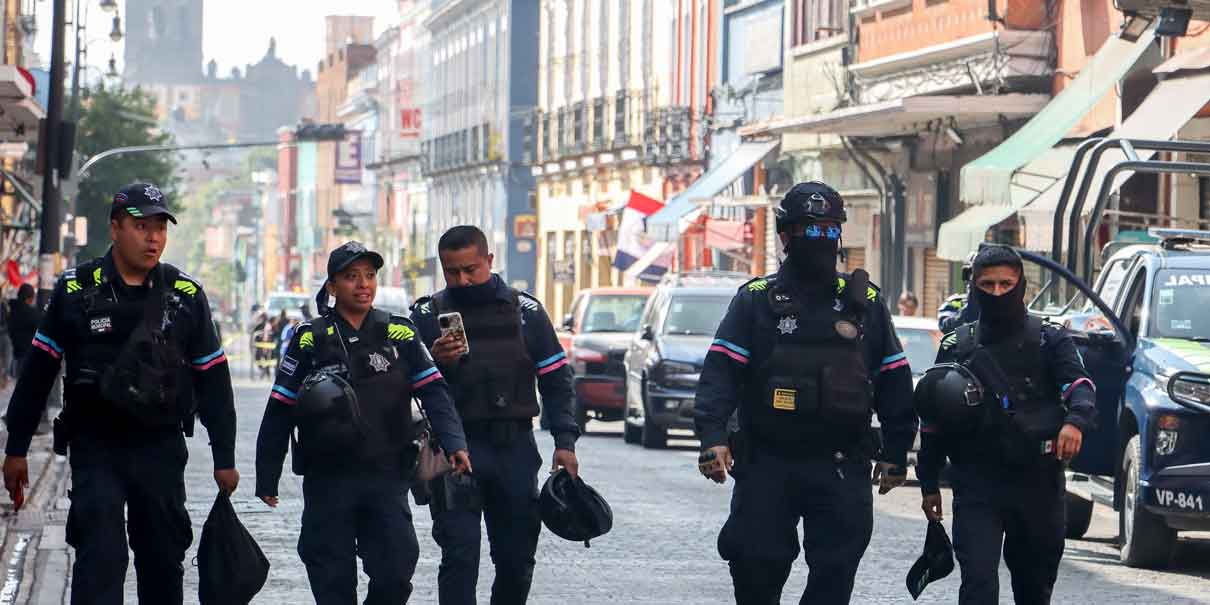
x=1179 y=301
x=1111 y=285
x=1132 y=307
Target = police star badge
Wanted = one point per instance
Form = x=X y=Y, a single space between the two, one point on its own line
x=379 y=363
x=787 y=325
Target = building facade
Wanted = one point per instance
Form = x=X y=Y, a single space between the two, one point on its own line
x=483 y=65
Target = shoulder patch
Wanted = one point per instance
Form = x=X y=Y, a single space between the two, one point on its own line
x=398 y=330
x=185 y=286
x=527 y=301
x=69 y=273
x=72 y=286
x=96 y=276
x=950 y=340
x=758 y=285
x=306 y=340
x=423 y=305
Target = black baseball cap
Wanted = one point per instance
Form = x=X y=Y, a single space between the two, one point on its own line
x=936 y=562
x=141 y=200
x=347 y=254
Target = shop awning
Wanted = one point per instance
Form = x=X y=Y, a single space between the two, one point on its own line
x=1183 y=91
x=667 y=224
x=989 y=179
x=18 y=105
x=962 y=234
x=908 y=115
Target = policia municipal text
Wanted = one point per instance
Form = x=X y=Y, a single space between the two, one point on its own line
x=142 y=356
x=346 y=383
x=805 y=355
x=1007 y=404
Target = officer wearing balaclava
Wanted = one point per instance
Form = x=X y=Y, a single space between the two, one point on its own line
x=806 y=355
x=1036 y=402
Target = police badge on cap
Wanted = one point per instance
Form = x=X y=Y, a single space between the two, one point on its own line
x=141 y=200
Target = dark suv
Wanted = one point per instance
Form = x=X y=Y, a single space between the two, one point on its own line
x=664 y=359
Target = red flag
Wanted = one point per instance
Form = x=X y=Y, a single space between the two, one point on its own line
x=13 y=273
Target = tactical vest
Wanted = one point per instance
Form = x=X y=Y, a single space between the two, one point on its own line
x=1023 y=413
x=379 y=430
x=813 y=394
x=497 y=380
x=130 y=354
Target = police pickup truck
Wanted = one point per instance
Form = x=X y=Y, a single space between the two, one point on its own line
x=1144 y=333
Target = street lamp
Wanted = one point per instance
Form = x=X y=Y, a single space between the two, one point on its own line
x=109 y=5
x=113 y=67
x=116 y=33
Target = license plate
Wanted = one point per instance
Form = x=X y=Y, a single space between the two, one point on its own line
x=1171 y=498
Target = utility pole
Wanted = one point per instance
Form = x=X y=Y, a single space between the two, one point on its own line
x=48 y=247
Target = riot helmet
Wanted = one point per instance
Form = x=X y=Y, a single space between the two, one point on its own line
x=572 y=510
x=808 y=202
x=324 y=393
x=949 y=397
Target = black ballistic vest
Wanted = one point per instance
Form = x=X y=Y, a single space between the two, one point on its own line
x=129 y=355
x=1023 y=409
x=497 y=381
x=377 y=434
x=813 y=394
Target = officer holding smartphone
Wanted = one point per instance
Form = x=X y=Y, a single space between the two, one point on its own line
x=508 y=348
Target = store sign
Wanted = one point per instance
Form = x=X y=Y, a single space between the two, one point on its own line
x=525 y=226
x=564 y=271
x=409 y=123
x=348 y=159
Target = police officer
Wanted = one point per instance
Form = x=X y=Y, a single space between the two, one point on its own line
x=139 y=344
x=959 y=308
x=1034 y=402
x=345 y=382
x=807 y=354
x=512 y=347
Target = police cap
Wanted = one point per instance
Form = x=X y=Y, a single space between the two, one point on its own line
x=809 y=201
x=140 y=200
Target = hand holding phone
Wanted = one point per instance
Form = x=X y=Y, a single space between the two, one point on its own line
x=453 y=343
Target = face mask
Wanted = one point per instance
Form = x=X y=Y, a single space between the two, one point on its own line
x=1006 y=308
x=813 y=254
x=475 y=295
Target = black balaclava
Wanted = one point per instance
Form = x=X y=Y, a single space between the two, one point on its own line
x=813 y=259
x=478 y=294
x=999 y=314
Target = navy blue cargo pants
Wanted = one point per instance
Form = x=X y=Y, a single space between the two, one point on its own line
x=507 y=478
x=128 y=488
x=1022 y=511
x=760 y=538
x=350 y=515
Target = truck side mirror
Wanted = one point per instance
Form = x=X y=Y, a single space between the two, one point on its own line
x=647 y=333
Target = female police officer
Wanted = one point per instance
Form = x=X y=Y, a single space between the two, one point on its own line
x=345 y=383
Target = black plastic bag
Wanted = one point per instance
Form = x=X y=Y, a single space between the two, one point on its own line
x=936 y=562
x=231 y=566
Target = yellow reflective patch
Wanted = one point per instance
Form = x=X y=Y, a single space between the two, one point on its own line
x=331 y=330
x=840 y=283
x=306 y=341
x=398 y=332
x=96 y=276
x=73 y=286
x=871 y=293
x=758 y=285
x=785 y=399
x=185 y=286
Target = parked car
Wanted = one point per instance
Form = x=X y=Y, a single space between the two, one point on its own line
x=920 y=339
x=393 y=300
x=292 y=302
x=594 y=335
x=664 y=360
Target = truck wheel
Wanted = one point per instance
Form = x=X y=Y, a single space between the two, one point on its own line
x=1079 y=516
x=1146 y=540
x=630 y=432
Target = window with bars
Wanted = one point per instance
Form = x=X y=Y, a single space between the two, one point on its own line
x=578 y=127
x=815 y=20
x=549 y=149
x=598 y=122
x=619 y=118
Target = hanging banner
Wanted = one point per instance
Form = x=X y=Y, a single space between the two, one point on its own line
x=348 y=159
x=633 y=241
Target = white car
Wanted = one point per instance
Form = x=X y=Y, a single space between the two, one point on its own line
x=920 y=338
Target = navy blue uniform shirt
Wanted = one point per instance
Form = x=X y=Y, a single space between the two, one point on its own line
x=1076 y=390
x=554 y=375
x=427 y=385
x=737 y=350
x=57 y=339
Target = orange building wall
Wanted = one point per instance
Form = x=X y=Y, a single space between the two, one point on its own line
x=1081 y=28
x=921 y=25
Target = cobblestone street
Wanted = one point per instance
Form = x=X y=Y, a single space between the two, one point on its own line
x=662 y=547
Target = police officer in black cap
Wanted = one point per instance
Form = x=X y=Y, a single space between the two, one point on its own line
x=513 y=355
x=807 y=354
x=345 y=383
x=959 y=308
x=1008 y=415
x=140 y=350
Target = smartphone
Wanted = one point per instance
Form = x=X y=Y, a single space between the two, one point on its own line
x=451 y=323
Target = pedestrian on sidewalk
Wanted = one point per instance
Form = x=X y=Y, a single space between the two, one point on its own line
x=346 y=382
x=140 y=352
x=508 y=355
x=23 y=319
